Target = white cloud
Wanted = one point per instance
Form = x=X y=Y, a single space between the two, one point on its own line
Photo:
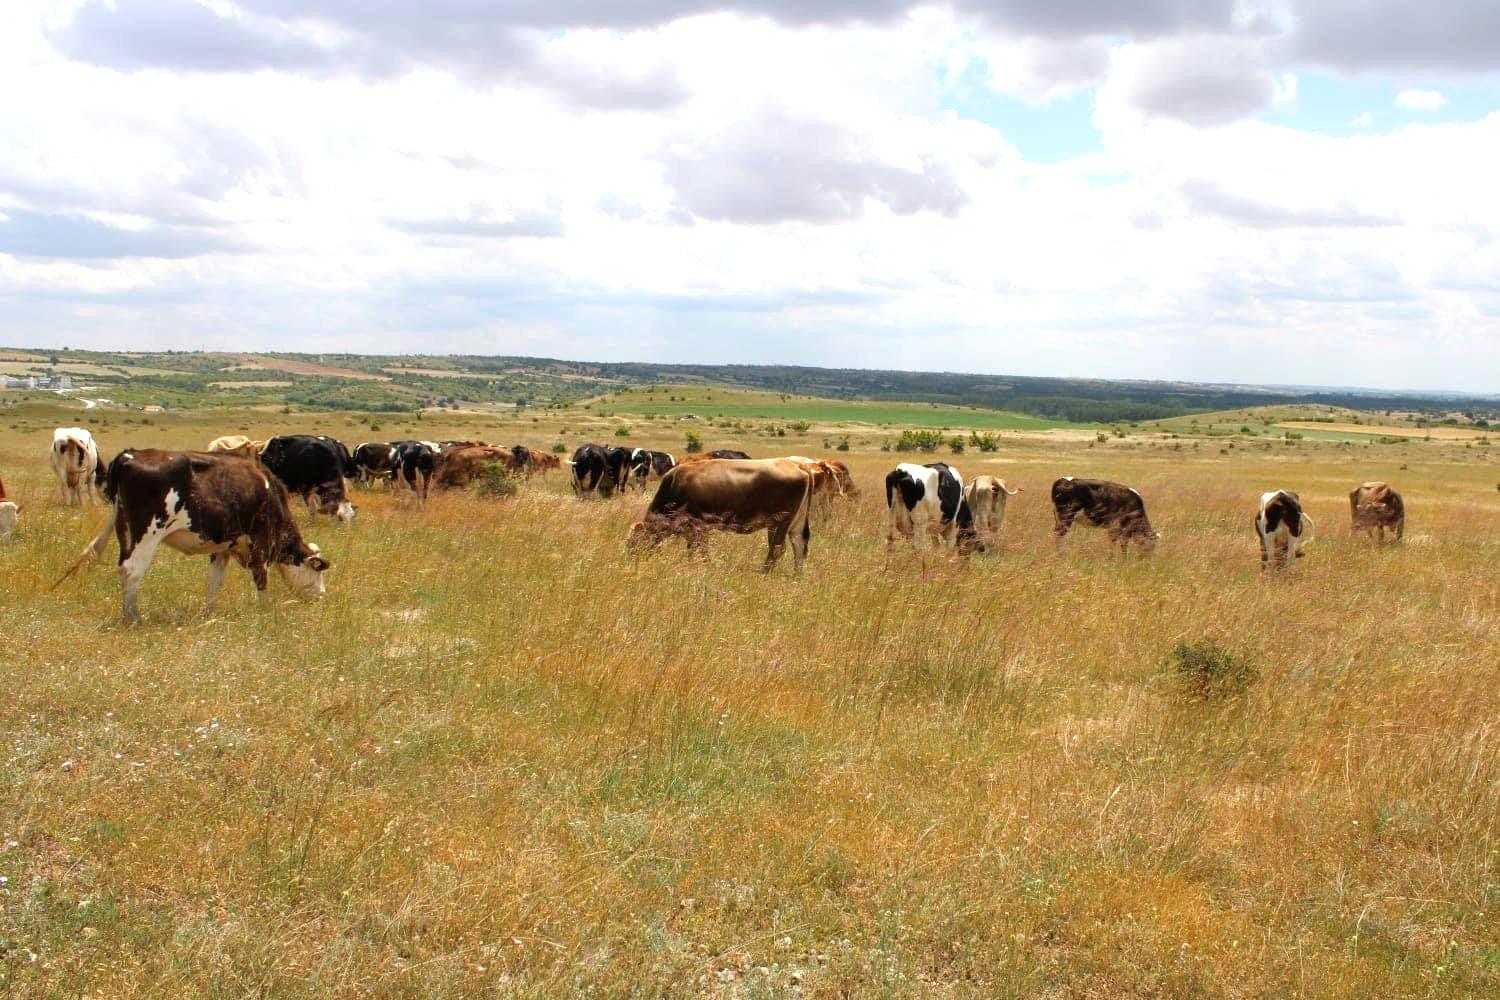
x=1362 y=119
x=1420 y=100
x=728 y=187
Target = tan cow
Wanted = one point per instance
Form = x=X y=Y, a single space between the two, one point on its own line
x=1373 y=507
x=738 y=495
x=987 y=496
x=237 y=444
x=459 y=466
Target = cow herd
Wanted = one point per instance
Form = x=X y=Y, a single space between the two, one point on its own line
x=232 y=501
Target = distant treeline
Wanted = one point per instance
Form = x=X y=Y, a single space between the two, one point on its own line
x=544 y=381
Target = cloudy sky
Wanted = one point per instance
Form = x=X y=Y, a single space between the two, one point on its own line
x=1288 y=191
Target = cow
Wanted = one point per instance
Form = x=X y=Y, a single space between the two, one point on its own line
x=645 y=463
x=617 y=461
x=928 y=500
x=237 y=444
x=75 y=461
x=375 y=460
x=1283 y=528
x=522 y=462
x=1374 y=507
x=416 y=461
x=1118 y=509
x=203 y=503
x=458 y=467
x=545 y=463
x=10 y=513
x=987 y=496
x=592 y=471
x=728 y=453
x=314 y=469
x=732 y=495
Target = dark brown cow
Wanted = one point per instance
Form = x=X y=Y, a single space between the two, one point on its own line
x=1118 y=509
x=733 y=495
x=203 y=503
x=1374 y=507
x=460 y=466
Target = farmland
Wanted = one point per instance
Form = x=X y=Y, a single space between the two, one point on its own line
x=503 y=755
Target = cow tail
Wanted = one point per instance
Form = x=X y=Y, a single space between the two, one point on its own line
x=90 y=552
x=804 y=509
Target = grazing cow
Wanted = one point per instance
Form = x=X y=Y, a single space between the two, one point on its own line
x=728 y=453
x=314 y=469
x=75 y=461
x=1283 y=528
x=459 y=467
x=732 y=495
x=237 y=444
x=415 y=462
x=1374 y=507
x=545 y=462
x=375 y=460
x=10 y=512
x=923 y=500
x=522 y=460
x=987 y=496
x=592 y=471
x=617 y=460
x=203 y=503
x=645 y=463
x=1118 y=509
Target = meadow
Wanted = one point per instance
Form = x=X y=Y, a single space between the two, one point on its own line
x=506 y=756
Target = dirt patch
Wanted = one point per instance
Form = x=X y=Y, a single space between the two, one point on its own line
x=1436 y=433
x=252 y=363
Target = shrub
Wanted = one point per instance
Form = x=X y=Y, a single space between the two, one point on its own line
x=559 y=449
x=985 y=441
x=496 y=481
x=622 y=431
x=843 y=444
x=694 y=443
x=1207 y=670
x=919 y=440
x=956 y=444
x=799 y=425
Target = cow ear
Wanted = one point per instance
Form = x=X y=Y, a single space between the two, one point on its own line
x=317 y=563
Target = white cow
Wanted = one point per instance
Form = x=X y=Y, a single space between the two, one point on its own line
x=75 y=461
x=9 y=513
x=986 y=496
x=928 y=500
x=1284 y=527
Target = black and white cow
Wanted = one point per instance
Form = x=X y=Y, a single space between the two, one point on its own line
x=645 y=463
x=314 y=469
x=75 y=462
x=203 y=503
x=416 y=461
x=591 y=471
x=928 y=500
x=1283 y=527
x=375 y=460
x=618 y=462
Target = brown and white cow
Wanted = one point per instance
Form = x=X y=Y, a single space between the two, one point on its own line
x=987 y=496
x=738 y=495
x=1284 y=528
x=460 y=466
x=75 y=462
x=10 y=512
x=203 y=503
x=237 y=444
x=1118 y=509
x=1373 y=507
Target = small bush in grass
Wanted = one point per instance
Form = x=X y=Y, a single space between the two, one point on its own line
x=622 y=431
x=1206 y=670
x=984 y=442
x=496 y=481
x=919 y=441
x=559 y=449
x=956 y=444
x=694 y=443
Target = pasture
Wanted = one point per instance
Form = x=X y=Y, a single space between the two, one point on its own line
x=505 y=756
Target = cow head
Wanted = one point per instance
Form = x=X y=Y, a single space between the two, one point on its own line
x=302 y=570
x=640 y=535
x=331 y=500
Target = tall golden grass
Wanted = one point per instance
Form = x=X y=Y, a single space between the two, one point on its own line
x=506 y=756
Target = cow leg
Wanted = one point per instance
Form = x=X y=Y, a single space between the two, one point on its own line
x=1265 y=553
x=133 y=572
x=217 y=564
x=775 y=543
x=257 y=567
x=800 y=540
x=1400 y=529
x=1063 y=522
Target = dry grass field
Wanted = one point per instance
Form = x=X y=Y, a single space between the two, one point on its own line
x=505 y=756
